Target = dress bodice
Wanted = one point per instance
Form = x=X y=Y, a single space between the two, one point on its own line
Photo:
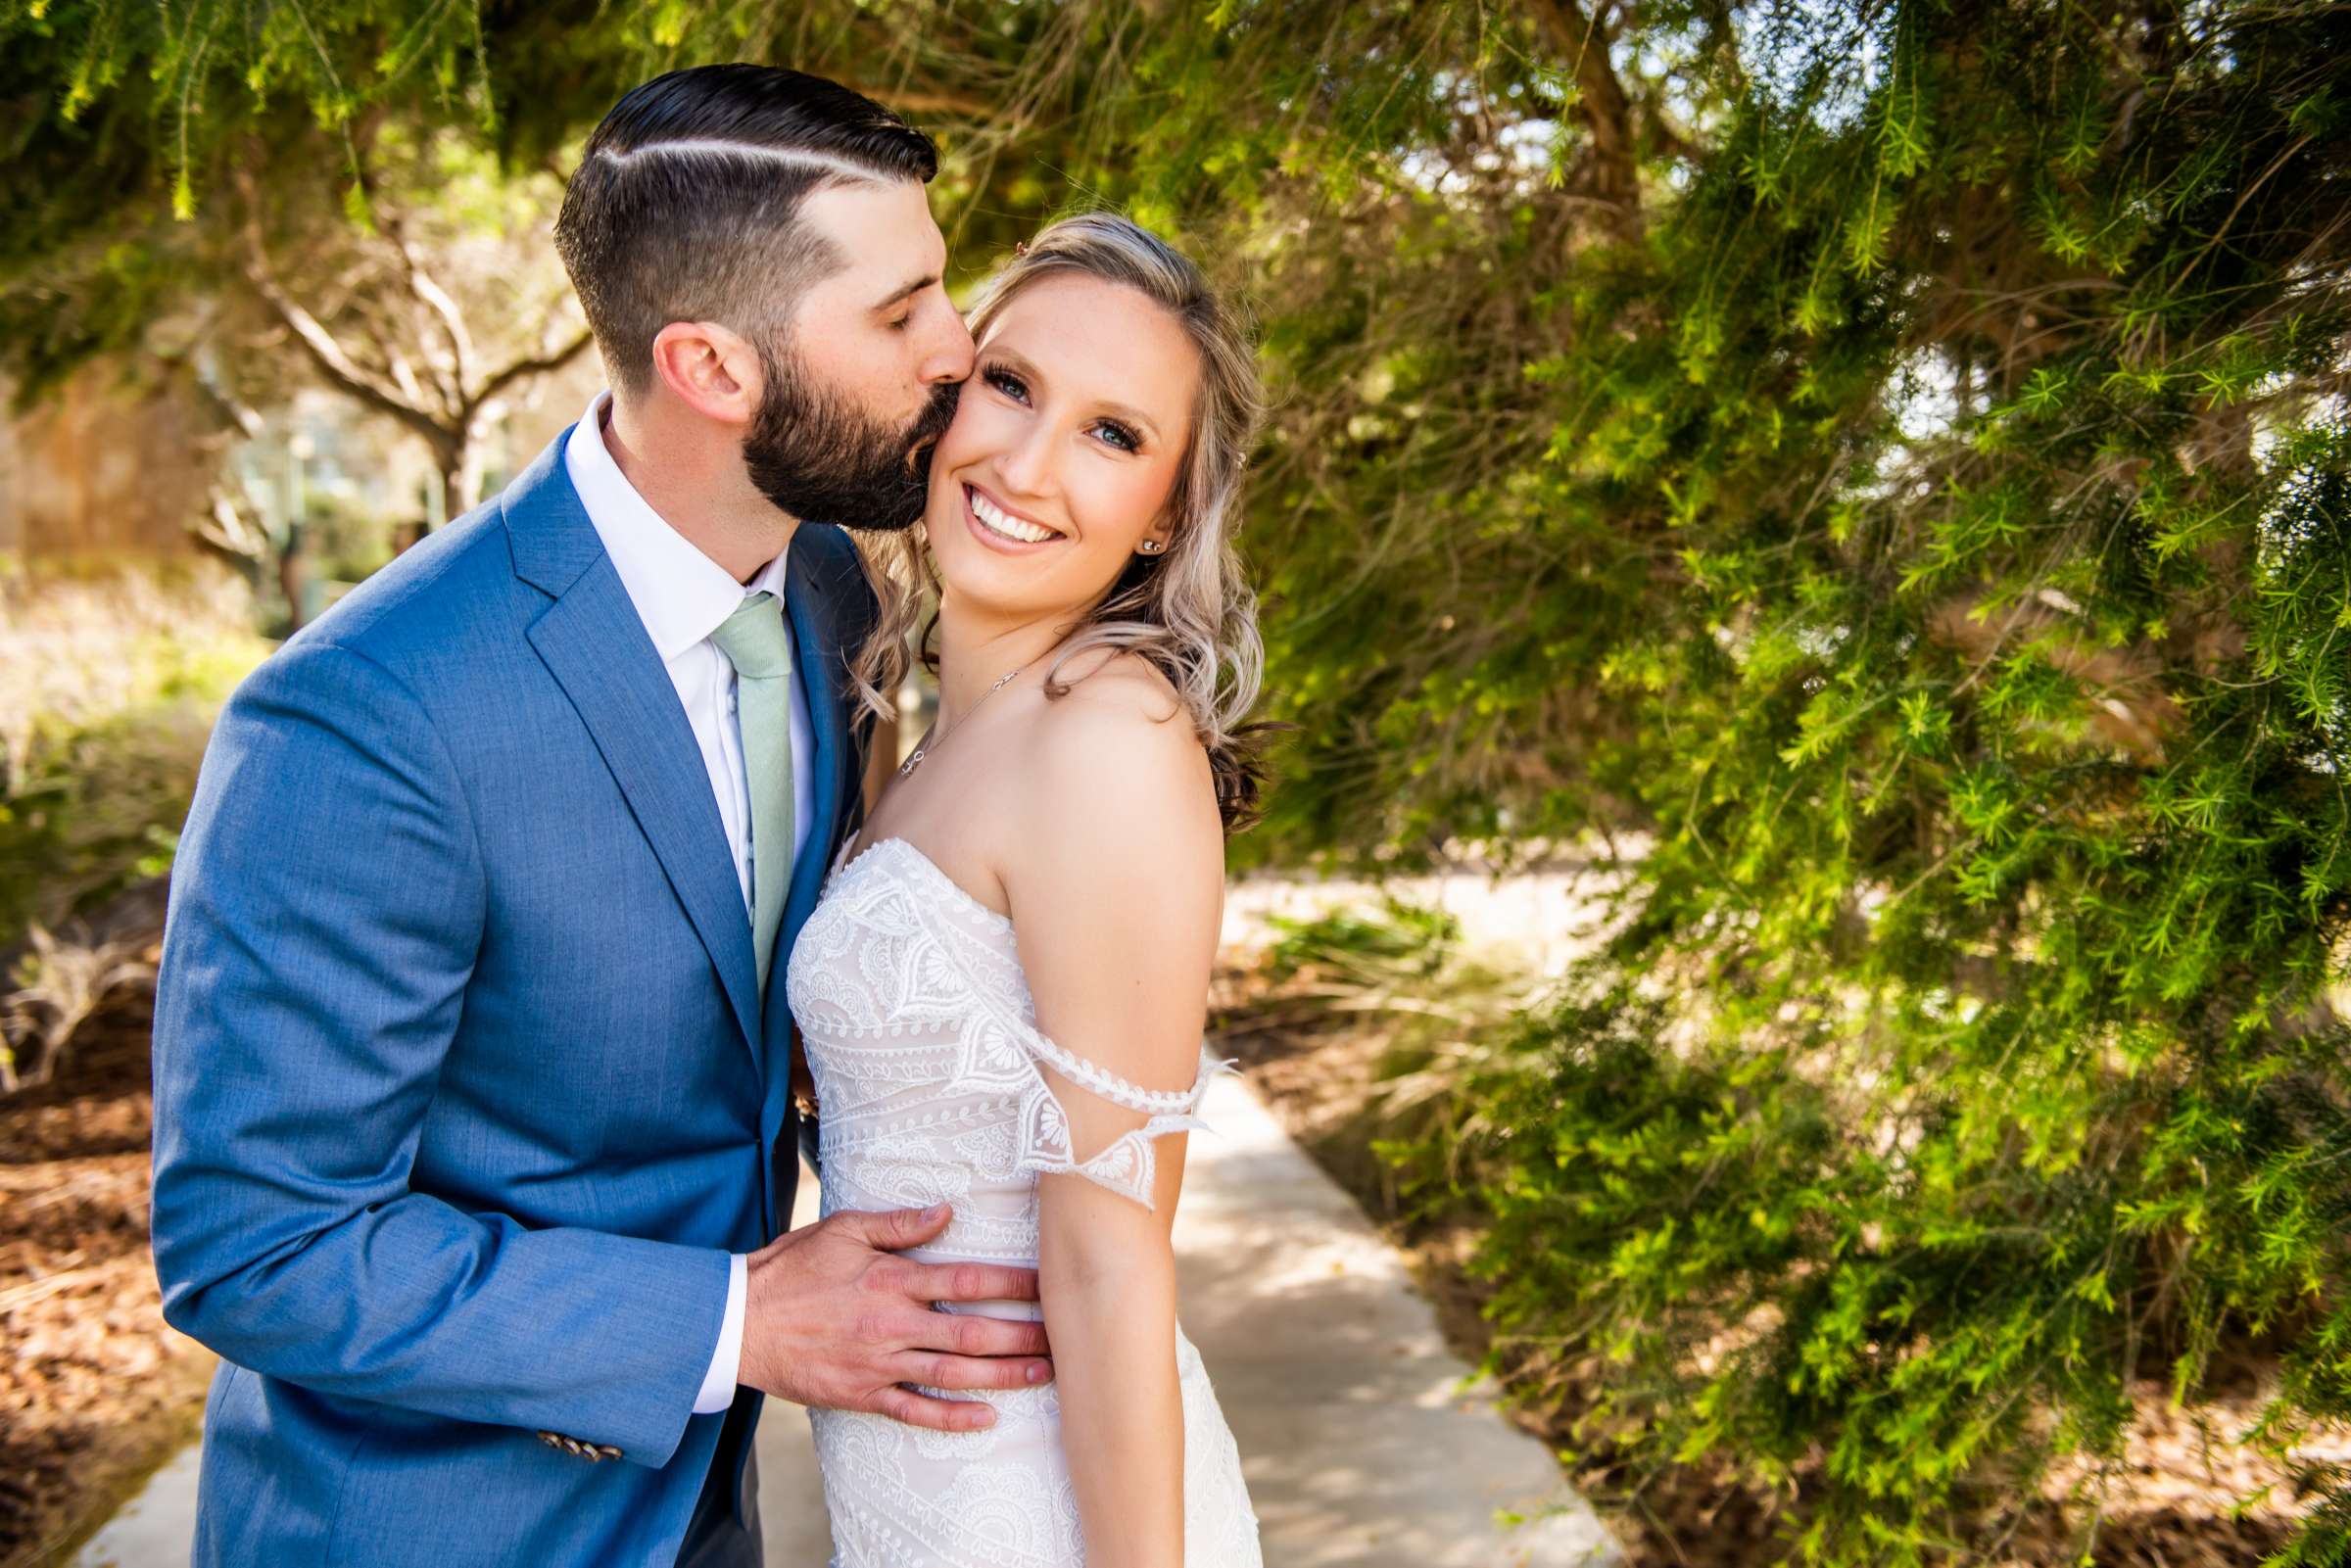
x=932 y=1087
x=930 y=1067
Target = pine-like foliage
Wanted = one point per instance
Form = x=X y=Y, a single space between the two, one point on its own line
x=1971 y=450
x=1885 y=461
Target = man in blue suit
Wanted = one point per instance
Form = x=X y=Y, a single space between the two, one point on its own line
x=475 y=1132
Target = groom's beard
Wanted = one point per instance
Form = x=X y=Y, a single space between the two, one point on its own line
x=818 y=457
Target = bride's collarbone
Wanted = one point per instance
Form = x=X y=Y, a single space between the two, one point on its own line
x=952 y=807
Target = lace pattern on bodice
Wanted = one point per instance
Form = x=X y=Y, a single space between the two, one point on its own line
x=923 y=1039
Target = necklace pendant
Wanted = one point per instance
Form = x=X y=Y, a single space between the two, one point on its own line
x=914 y=759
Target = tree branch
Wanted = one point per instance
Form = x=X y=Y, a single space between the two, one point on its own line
x=403 y=375
x=1601 y=104
x=233 y=410
x=524 y=369
x=427 y=288
x=228 y=531
x=329 y=358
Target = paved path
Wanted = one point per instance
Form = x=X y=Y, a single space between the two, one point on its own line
x=1359 y=1442
x=1536 y=923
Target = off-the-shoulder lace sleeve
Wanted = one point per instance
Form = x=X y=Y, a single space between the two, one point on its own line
x=1126 y=1164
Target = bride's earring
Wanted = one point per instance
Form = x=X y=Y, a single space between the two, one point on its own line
x=1151 y=547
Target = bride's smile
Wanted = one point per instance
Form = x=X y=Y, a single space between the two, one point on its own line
x=993 y=523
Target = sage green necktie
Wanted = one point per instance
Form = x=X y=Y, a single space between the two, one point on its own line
x=756 y=641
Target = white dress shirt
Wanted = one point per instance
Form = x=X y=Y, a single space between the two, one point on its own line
x=683 y=596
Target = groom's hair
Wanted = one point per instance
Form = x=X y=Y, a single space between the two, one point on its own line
x=686 y=205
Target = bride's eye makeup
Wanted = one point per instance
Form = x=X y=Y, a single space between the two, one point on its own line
x=1122 y=438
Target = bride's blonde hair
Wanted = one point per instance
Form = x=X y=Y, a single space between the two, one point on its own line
x=1188 y=609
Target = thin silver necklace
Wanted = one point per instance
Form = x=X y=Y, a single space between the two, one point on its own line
x=923 y=749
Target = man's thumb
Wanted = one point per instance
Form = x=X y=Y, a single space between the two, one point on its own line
x=911 y=1228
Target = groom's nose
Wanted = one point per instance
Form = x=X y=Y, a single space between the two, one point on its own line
x=948 y=358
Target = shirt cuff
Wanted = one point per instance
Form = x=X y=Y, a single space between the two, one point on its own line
x=718 y=1384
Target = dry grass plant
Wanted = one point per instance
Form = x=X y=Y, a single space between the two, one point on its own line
x=110 y=675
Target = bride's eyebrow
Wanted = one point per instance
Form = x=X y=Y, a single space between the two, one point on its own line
x=1007 y=359
x=1133 y=417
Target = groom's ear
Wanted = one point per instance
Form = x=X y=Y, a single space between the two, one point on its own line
x=710 y=370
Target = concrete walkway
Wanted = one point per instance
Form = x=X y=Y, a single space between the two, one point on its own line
x=1359 y=1440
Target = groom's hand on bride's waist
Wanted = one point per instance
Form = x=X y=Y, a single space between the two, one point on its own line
x=835 y=1319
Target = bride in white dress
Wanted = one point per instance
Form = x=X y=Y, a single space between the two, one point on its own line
x=1003 y=989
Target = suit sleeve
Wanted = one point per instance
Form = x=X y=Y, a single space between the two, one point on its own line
x=326 y=906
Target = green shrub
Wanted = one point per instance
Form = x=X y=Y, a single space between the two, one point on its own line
x=1930 y=527
x=1896 y=1278
x=109 y=682
x=1400 y=941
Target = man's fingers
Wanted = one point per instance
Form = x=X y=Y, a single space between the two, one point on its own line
x=939 y=1415
x=918 y=1328
x=973 y=1371
x=983 y=1336
x=971 y=1282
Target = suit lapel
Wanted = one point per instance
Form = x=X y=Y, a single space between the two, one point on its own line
x=596 y=648
x=823 y=593
x=820 y=663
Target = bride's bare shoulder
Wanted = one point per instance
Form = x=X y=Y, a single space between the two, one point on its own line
x=1120 y=743
x=1120 y=680
x=1120 y=704
x=1117 y=848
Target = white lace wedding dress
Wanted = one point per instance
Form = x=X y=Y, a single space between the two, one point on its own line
x=922 y=1037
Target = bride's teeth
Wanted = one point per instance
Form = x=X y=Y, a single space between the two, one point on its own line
x=1001 y=522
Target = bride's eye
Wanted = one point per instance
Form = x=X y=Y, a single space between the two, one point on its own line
x=1006 y=382
x=1120 y=436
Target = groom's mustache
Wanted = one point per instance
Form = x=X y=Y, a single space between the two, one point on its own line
x=922 y=439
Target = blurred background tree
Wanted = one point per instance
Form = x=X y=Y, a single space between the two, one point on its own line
x=1879 y=469
x=436 y=310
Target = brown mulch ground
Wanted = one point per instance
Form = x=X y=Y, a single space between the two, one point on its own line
x=2172 y=1504
x=95 y=1389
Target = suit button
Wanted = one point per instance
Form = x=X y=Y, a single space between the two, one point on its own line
x=593 y=1453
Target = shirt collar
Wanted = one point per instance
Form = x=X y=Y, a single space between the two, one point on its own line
x=681 y=594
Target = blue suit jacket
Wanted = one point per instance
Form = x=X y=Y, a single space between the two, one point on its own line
x=463 y=1090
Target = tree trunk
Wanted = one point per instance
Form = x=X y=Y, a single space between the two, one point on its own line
x=457 y=466
x=465 y=483
x=1611 y=169
x=460 y=485
x=293 y=576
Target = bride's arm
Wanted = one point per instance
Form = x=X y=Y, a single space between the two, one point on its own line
x=1116 y=887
